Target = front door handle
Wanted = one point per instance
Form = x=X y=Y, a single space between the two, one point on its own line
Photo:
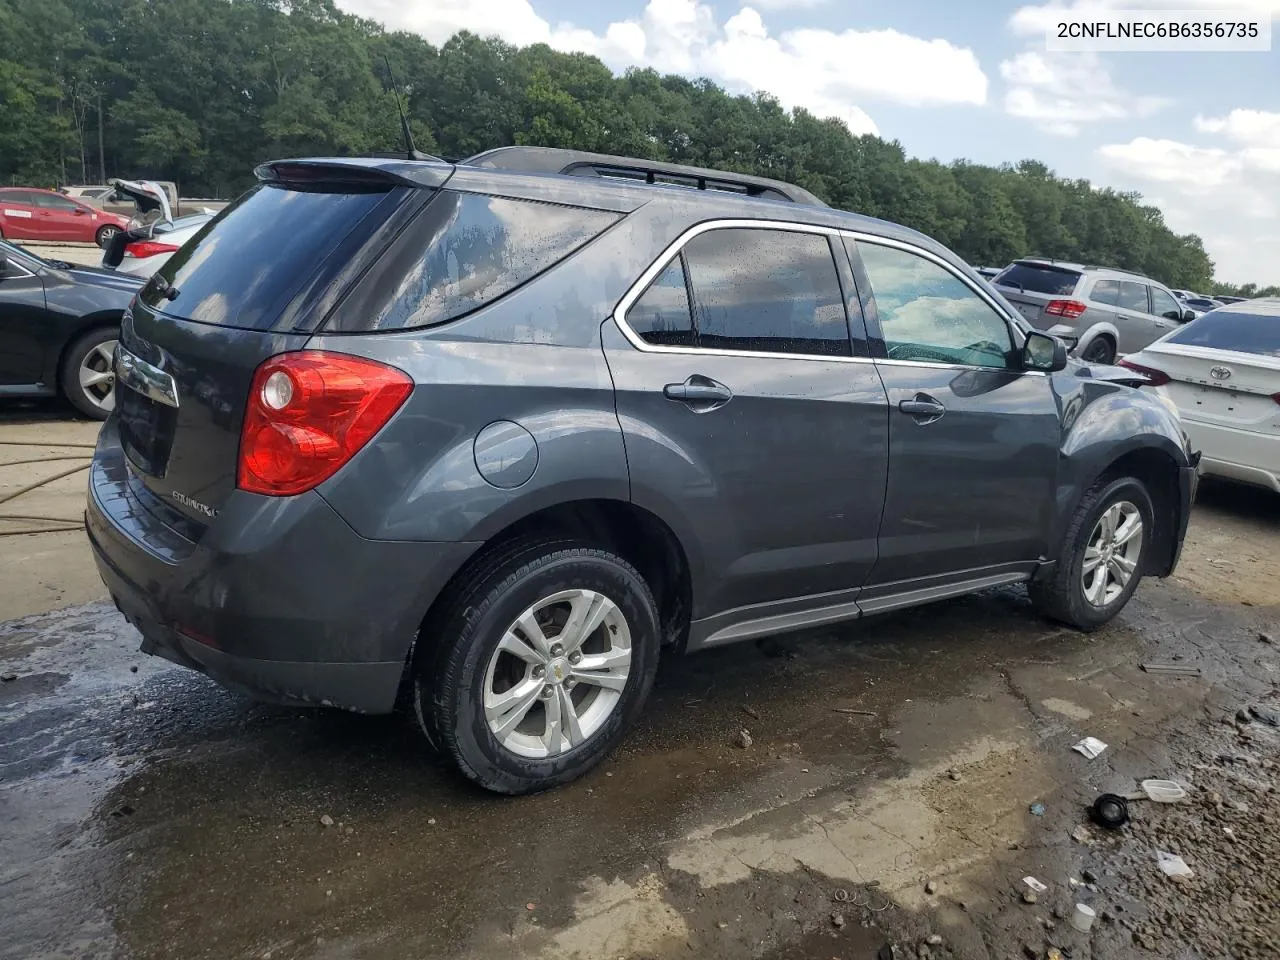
x=699 y=393
x=924 y=408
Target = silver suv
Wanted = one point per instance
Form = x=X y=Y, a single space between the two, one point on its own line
x=1102 y=313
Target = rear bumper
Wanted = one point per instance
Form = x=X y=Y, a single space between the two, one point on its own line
x=278 y=597
x=1248 y=456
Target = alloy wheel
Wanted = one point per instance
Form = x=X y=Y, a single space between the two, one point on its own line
x=557 y=674
x=98 y=375
x=1113 y=552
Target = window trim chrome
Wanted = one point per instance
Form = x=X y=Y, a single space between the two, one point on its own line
x=673 y=249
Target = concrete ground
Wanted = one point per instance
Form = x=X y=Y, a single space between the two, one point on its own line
x=87 y=254
x=884 y=799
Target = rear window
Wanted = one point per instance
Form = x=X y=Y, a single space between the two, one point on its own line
x=1039 y=278
x=252 y=259
x=1225 y=329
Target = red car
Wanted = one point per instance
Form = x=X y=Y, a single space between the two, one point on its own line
x=30 y=214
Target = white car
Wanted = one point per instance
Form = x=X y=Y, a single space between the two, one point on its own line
x=1222 y=371
x=143 y=257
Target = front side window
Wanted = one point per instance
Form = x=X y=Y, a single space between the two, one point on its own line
x=770 y=291
x=1163 y=305
x=927 y=314
x=1133 y=296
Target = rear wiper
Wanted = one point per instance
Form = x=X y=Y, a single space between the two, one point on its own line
x=163 y=287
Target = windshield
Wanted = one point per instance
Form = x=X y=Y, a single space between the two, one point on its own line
x=22 y=253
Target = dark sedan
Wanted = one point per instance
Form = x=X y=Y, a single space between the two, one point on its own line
x=59 y=324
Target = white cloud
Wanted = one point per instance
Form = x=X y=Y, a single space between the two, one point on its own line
x=1252 y=128
x=1229 y=195
x=823 y=71
x=1060 y=93
x=1035 y=19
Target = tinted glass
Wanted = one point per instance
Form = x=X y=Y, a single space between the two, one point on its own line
x=1224 y=329
x=18 y=196
x=1163 y=304
x=928 y=314
x=1106 y=291
x=467 y=249
x=769 y=291
x=1038 y=278
x=1133 y=296
x=258 y=253
x=661 y=316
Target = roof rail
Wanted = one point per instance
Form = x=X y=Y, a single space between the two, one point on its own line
x=1100 y=266
x=578 y=163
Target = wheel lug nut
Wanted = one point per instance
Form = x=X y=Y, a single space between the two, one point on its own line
x=557 y=650
x=575 y=657
x=546 y=692
x=539 y=672
x=570 y=683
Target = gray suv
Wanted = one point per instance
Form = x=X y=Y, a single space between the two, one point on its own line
x=1102 y=313
x=488 y=437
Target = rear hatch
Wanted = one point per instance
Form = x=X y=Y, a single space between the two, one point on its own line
x=254 y=282
x=1030 y=286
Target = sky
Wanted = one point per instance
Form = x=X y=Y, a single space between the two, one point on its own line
x=1198 y=134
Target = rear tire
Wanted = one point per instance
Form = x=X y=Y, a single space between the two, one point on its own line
x=85 y=361
x=1100 y=350
x=1075 y=595
x=523 y=721
x=104 y=235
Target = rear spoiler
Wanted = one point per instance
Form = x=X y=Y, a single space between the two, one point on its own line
x=364 y=172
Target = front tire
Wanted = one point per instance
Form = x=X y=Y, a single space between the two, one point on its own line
x=1102 y=557
x=88 y=373
x=538 y=666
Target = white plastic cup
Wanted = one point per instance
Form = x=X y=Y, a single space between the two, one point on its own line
x=1083 y=917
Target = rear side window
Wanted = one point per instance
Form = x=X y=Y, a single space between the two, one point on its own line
x=1225 y=329
x=464 y=251
x=1039 y=278
x=662 y=316
x=1106 y=291
x=770 y=291
x=250 y=261
x=1133 y=296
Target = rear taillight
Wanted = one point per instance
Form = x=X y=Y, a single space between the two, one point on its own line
x=1156 y=378
x=148 y=248
x=1065 y=308
x=308 y=414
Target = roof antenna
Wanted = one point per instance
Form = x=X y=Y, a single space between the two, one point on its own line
x=414 y=152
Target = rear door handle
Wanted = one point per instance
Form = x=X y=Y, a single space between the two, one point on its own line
x=700 y=393
x=923 y=407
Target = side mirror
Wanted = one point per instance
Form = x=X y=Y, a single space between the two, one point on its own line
x=1188 y=316
x=1044 y=352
